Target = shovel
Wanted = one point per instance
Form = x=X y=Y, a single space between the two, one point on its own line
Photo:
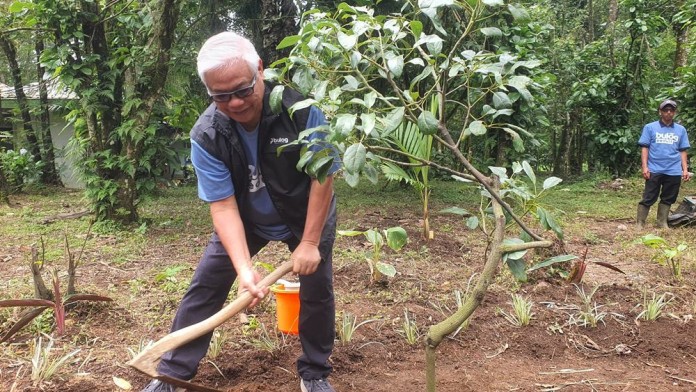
x=146 y=362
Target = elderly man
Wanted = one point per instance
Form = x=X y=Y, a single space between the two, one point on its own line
x=664 y=162
x=256 y=195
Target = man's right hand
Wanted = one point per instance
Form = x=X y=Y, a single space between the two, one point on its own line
x=247 y=280
x=646 y=173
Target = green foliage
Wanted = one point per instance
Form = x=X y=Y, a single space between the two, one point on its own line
x=665 y=254
x=347 y=325
x=652 y=308
x=58 y=305
x=589 y=313
x=521 y=313
x=372 y=73
x=44 y=363
x=396 y=239
x=20 y=168
x=114 y=57
x=409 y=328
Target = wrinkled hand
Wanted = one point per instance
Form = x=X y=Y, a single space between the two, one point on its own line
x=305 y=258
x=247 y=280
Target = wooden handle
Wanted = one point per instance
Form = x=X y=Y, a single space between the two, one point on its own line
x=146 y=362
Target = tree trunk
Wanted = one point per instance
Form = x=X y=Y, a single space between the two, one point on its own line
x=681 y=34
x=50 y=174
x=4 y=187
x=279 y=21
x=10 y=51
x=611 y=24
x=560 y=164
x=148 y=90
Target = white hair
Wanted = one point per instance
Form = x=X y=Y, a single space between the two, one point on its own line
x=223 y=50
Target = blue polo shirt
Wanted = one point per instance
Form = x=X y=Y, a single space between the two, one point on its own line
x=215 y=180
x=665 y=144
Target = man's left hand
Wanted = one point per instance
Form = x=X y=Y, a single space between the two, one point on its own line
x=305 y=258
x=686 y=176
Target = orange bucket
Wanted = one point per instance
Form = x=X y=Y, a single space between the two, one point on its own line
x=287 y=307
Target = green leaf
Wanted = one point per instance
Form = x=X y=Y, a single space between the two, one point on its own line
x=276 y=99
x=472 y=222
x=552 y=260
x=385 y=269
x=371 y=173
x=517 y=254
x=374 y=237
x=501 y=100
x=529 y=171
x=346 y=41
x=501 y=172
x=518 y=13
x=396 y=237
x=350 y=233
x=288 y=41
x=395 y=64
x=427 y=123
x=416 y=28
x=518 y=269
x=491 y=31
x=352 y=179
x=354 y=158
x=456 y=211
x=20 y=6
x=345 y=123
x=368 y=122
x=305 y=103
x=476 y=128
x=393 y=119
x=551 y=182
x=652 y=240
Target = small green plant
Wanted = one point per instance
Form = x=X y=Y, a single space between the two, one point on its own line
x=665 y=254
x=44 y=365
x=261 y=338
x=217 y=343
x=652 y=308
x=396 y=239
x=589 y=313
x=521 y=313
x=347 y=325
x=410 y=329
x=168 y=280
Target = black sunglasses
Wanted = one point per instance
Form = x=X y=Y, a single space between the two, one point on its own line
x=239 y=93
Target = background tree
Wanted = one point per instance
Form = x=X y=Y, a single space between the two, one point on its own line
x=115 y=57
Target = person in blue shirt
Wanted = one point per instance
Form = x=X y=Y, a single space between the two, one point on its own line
x=256 y=195
x=664 y=163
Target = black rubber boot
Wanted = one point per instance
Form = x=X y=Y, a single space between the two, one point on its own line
x=642 y=215
x=662 y=215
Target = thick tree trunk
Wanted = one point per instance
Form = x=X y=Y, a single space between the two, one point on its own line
x=50 y=174
x=10 y=51
x=4 y=187
x=681 y=34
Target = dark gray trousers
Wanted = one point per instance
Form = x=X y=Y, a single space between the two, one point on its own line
x=662 y=185
x=211 y=284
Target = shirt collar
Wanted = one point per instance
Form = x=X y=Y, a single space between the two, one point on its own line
x=665 y=125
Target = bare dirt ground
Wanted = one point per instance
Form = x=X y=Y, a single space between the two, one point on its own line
x=553 y=353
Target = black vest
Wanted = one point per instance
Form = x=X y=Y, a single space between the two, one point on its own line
x=287 y=186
